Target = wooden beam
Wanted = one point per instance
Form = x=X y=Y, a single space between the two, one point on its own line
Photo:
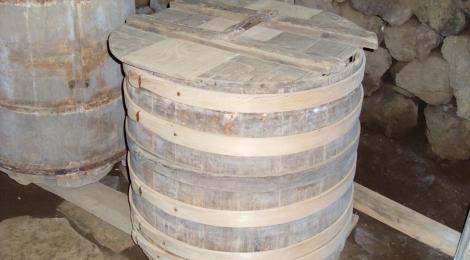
x=209 y=38
x=405 y=220
x=100 y=200
x=463 y=250
x=214 y=9
x=325 y=28
x=113 y=207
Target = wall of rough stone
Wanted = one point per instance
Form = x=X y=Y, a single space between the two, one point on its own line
x=423 y=59
x=150 y=6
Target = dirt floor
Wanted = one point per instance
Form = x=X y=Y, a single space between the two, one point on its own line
x=402 y=169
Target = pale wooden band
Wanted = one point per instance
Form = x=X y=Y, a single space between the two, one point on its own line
x=138 y=148
x=244 y=103
x=317 y=247
x=240 y=219
x=240 y=146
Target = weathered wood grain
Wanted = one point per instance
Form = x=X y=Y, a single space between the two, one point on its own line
x=100 y=200
x=60 y=91
x=242 y=136
x=112 y=206
x=406 y=220
x=463 y=249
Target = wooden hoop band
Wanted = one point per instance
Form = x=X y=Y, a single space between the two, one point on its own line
x=242 y=219
x=240 y=146
x=139 y=149
x=317 y=247
x=244 y=103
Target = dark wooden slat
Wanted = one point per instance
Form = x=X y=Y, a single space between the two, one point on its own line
x=213 y=39
x=329 y=26
x=463 y=250
x=214 y=9
x=405 y=220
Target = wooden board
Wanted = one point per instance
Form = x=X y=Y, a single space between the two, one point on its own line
x=463 y=250
x=289 y=16
x=100 y=200
x=113 y=207
x=405 y=220
x=278 y=32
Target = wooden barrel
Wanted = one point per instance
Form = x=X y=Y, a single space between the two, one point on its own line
x=61 y=108
x=242 y=128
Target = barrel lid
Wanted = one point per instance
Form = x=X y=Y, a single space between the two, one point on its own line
x=238 y=41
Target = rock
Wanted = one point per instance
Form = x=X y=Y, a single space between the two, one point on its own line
x=371 y=23
x=402 y=91
x=396 y=67
x=318 y=4
x=112 y=181
x=444 y=16
x=158 y=5
x=465 y=6
x=456 y=50
x=44 y=239
x=141 y=3
x=411 y=40
x=390 y=111
x=448 y=134
x=378 y=62
x=144 y=10
x=428 y=80
x=395 y=12
x=105 y=234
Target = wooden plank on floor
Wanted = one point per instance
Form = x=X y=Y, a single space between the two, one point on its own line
x=405 y=220
x=100 y=200
x=463 y=250
x=113 y=207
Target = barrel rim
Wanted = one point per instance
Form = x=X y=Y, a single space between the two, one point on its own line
x=244 y=103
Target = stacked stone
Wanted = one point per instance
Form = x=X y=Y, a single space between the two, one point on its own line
x=150 y=6
x=424 y=58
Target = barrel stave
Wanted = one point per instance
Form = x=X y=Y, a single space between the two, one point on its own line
x=242 y=128
x=252 y=239
x=60 y=90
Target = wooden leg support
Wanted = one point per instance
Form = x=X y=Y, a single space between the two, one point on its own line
x=405 y=220
x=463 y=250
x=113 y=207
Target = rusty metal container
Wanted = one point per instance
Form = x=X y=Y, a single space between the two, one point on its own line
x=61 y=112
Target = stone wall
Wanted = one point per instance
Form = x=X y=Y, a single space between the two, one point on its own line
x=150 y=6
x=423 y=58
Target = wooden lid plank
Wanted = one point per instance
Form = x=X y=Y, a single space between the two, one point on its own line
x=304 y=38
x=214 y=8
x=212 y=38
x=284 y=9
x=300 y=19
x=170 y=57
x=329 y=26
